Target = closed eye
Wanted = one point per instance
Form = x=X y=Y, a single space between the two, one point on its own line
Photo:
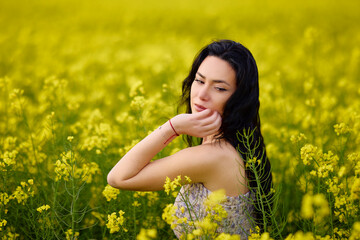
x=199 y=81
x=220 y=89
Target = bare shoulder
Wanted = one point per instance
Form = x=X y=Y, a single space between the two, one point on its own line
x=225 y=168
x=220 y=151
x=213 y=156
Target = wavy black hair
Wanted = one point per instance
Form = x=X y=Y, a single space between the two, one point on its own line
x=241 y=111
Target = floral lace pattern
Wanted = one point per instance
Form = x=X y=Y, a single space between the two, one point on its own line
x=240 y=210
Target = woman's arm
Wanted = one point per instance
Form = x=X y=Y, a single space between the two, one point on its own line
x=135 y=172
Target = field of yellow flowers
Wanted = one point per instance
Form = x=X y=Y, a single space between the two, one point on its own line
x=81 y=82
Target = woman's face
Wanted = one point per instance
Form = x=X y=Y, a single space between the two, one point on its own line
x=215 y=82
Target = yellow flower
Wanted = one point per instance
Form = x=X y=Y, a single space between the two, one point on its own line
x=137 y=103
x=146 y=234
x=70 y=235
x=206 y=225
x=136 y=204
x=341 y=128
x=215 y=198
x=197 y=232
x=169 y=215
x=308 y=153
x=115 y=222
x=70 y=138
x=225 y=236
x=110 y=193
x=355 y=189
x=355 y=233
x=342 y=171
x=181 y=220
x=299 y=235
x=43 y=208
x=21 y=194
x=62 y=168
x=4 y=198
x=307 y=210
x=315 y=206
x=9 y=157
x=295 y=139
x=255 y=235
x=2 y=224
x=171 y=186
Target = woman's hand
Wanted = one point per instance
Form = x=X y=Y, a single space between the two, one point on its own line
x=200 y=124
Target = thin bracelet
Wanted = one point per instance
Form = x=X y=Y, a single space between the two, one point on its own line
x=173 y=128
x=176 y=134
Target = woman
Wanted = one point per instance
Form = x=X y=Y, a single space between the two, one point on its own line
x=221 y=93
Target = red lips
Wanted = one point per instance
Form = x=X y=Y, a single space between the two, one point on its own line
x=199 y=108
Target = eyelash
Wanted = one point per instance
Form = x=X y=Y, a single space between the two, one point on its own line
x=217 y=88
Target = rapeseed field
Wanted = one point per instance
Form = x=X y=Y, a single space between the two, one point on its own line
x=81 y=82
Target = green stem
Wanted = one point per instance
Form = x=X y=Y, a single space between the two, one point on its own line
x=73 y=203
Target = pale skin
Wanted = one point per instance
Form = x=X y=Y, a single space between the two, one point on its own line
x=215 y=164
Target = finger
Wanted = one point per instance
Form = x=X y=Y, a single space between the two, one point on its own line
x=203 y=114
x=211 y=118
x=213 y=126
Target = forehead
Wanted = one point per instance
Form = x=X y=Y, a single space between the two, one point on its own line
x=214 y=68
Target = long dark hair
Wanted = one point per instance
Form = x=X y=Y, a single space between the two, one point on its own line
x=241 y=111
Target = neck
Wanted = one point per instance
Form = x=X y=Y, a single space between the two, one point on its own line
x=209 y=139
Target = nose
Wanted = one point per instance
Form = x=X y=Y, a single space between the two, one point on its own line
x=204 y=93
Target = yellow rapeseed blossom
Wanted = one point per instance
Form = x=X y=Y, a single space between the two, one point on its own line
x=147 y=234
x=136 y=204
x=10 y=235
x=295 y=139
x=99 y=217
x=355 y=189
x=307 y=210
x=152 y=197
x=115 y=222
x=110 y=193
x=63 y=167
x=88 y=170
x=255 y=234
x=4 y=198
x=341 y=128
x=171 y=186
x=342 y=171
x=169 y=215
x=22 y=193
x=43 y=208
x=355 y=233
x=70 y=138
x=299 y=235
x=137 y=103
x=8 y=157
x=354 y=158
x=70 y=235
x=215 y=198
x=207 y=225
x=2 y=224
x=308 y=153
x=225 y=236
x=213 y=205
x=341 y=233
x=322 y=207
x=315 y=207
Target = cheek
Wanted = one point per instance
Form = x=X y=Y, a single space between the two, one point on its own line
x=222 y=104
x=192 y=91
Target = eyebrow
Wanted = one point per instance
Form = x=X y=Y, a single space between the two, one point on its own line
x=216 y=81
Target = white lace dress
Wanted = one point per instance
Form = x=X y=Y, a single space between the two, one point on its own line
x=240 y=210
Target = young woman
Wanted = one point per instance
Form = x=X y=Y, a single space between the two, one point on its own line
x=221 y=94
